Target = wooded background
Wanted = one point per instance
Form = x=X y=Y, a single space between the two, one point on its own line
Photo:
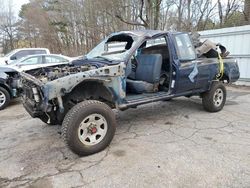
x=73 y=27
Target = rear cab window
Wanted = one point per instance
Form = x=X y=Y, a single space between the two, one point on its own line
x=184 y=48
x=155 y=42
x=153 y=46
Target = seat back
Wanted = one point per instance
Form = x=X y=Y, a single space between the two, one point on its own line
x=159 y=49
x=149 y=68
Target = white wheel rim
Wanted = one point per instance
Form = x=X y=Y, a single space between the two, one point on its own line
x=2 y=98
x=92 y=129
x=218 y=97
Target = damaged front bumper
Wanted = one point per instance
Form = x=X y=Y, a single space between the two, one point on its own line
x=32 y=108
x=32 y=96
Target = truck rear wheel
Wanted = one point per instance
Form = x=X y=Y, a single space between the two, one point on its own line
x=4 y=98
x=214 y=99
x=89 y=127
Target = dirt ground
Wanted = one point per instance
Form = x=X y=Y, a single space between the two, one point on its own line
x=163 y=144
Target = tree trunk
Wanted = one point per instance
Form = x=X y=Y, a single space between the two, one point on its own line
x=189 y=26
x=247 y=11
x=220 y=13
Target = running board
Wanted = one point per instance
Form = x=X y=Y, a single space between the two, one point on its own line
x=136 y=102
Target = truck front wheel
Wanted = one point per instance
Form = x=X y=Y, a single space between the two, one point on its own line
x=214 y=99
x=89 y=127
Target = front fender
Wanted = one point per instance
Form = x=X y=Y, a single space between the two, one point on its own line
x=110 y=76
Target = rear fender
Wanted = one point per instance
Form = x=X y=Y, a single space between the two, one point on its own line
x=231 y=72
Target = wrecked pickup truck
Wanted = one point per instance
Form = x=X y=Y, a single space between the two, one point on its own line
x=125 y=70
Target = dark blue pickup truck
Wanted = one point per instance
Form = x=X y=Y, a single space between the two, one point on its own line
x=125 y=70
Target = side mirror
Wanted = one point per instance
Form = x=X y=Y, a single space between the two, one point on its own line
x=6 y=62
x=13 y=58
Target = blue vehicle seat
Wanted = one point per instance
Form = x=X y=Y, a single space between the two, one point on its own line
x=159 y=49
x=147 y=75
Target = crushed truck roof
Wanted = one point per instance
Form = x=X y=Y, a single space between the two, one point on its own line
x=144 y=33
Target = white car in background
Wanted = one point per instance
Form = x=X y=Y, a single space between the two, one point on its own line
x=37 y=61
x=20 y=53
x=9 y=74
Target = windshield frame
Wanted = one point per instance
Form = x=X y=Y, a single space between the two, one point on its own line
x=127 y=54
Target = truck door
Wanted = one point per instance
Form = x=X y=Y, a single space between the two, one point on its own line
x=204 y=65
x=186 y=73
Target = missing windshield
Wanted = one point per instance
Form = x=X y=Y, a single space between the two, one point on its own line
x=114 y=48
x=118 y=44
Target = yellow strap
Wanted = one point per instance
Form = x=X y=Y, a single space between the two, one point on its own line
x=221 y=68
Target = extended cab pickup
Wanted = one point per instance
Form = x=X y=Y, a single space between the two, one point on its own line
x=125 y=70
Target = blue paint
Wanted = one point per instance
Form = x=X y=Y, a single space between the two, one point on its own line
x=194 y=73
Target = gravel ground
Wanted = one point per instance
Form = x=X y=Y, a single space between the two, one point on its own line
x=163 y=144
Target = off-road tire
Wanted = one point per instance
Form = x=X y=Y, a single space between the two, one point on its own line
x=7 y=98
x=76 y=115
x=208 y=97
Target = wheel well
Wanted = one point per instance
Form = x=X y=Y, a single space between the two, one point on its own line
x=225 y=77
x=91 y=90
x=7 y=89
x=88 y=90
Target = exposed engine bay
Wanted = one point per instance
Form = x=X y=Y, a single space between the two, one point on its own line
x=52 y=73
